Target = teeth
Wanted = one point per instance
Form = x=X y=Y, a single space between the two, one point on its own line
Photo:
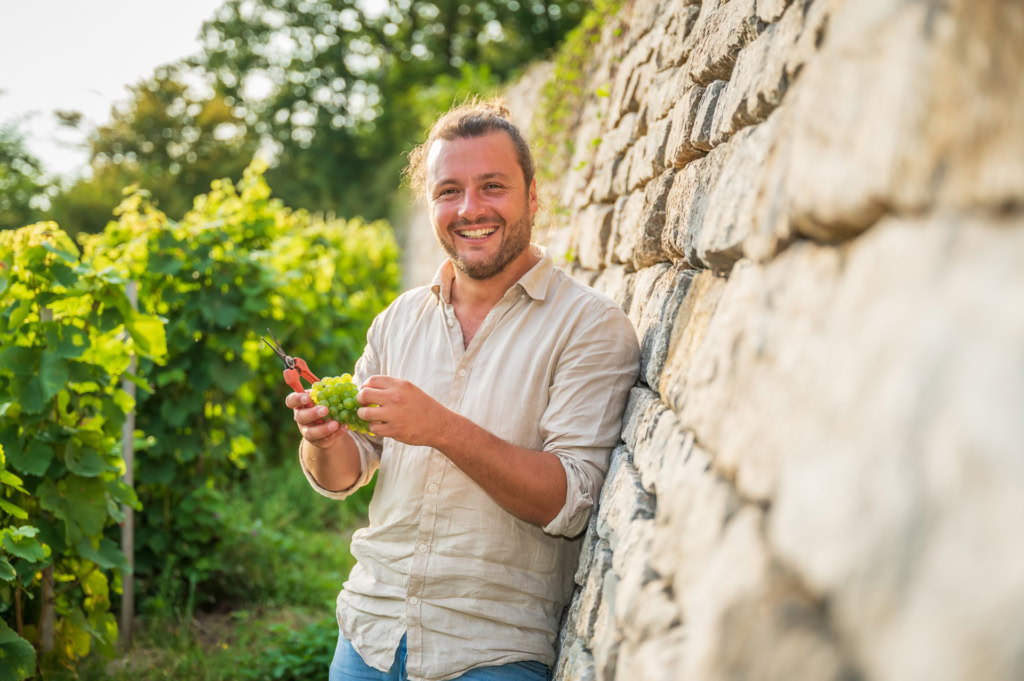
x=477 y=233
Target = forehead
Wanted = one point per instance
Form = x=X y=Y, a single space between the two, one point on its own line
x=465 y=158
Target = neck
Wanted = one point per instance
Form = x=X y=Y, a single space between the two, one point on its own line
x=487 y=292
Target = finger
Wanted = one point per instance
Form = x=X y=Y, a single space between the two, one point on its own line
x=372 y=396
x=377 y=382
x=298 y=400
x=318 y=432
x=310 y=415
x=372 y=414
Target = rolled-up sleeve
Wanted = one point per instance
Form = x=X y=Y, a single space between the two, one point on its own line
x=369 y=447
x=583 y=418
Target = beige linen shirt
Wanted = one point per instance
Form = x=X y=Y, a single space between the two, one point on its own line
x=469 y=583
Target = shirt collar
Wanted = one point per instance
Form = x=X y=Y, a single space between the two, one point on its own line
x=534 y=282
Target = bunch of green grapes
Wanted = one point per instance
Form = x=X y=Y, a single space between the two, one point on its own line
x=338 y=394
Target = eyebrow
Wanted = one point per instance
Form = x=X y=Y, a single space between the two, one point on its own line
x=478 y=178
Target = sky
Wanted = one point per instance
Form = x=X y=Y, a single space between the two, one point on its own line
x=81 y=55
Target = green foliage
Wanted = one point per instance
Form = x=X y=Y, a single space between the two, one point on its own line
x=169 y=139
x=21 y=180
x=238 y=263
x=67 y=332
x=564 y=94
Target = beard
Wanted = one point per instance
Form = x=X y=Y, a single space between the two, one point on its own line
x=514 y=240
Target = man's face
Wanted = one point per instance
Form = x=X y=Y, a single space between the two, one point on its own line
x=480 y=207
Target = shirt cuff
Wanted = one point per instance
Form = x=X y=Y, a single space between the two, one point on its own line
x=365 y=469
x=579 y=502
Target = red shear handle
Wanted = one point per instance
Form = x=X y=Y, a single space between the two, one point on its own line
x=292 y=376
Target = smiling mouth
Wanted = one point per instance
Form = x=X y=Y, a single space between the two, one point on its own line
x=480 y=233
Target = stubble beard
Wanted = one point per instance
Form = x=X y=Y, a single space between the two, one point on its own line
x=514 y=241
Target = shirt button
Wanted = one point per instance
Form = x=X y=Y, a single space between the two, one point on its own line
x=462 y=372
x=432 y=487
x=413 y=600
x=451 y=323
x=422 y=548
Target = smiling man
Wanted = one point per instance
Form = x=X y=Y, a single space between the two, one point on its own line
x=499 y=391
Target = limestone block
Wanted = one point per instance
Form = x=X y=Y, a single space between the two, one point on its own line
x=616 y=283
x=909 y=106
x=764 y=70
x=666 y=446
x=666 y=90
x=631 y=565
x=692 y=321
x=643 y=407
x=626 y=221
x=599 y=190
x=623 y=503
x=607 y=635
x=770 y=10
x=736 y=202
x=659 y=657
x=587 y=549
x=581 y=275
x=902 y=485
x=678 y=149
x=674 y=47
x=592 y=593
x=622 y=98
x=595 y=227
x=615 y=142
x=719 y=37
x=620 y=179
x=703 y=124
x=653 y=614
x=650 y=247
x=656 y=302
x=650 y=161
x=689 y=520
x=575 y=663
x=688 y=201
x=735 y=569
x=778 y=632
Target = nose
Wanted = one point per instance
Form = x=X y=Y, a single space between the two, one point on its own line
x=471 y=207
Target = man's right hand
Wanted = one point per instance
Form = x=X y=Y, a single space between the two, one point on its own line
x=327 y=451
x=318 y=431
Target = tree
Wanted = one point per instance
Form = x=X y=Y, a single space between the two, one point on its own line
x=22 y=183
x=169 y=139
x=339 y=86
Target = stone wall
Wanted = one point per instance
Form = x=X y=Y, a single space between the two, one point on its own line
x=813 y=212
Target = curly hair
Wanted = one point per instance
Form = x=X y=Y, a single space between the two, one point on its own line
x=472 y=118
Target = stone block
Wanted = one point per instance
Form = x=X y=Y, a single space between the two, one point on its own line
x=666 y=90
x=659 y=657
x=650 y=160
x=909 y=107
x=623 y=503
x=659 y=294
x=595 y=230
x=626 y=224
x=901 y=484
x=616 y=283
x=623 y=95
x=587 y=549
x=620 y=178
x=770 y=10
x=674 y=47
x=703 y=124
x=678 y=149
x=721 y=33
x=643 y=408
x=650 y=247
x=666 y=445
x=687 y=202
x=607 y=635
x=599 y=189
x=764 y=70
x=575 y=663
x=592 y=593
x=692 y=321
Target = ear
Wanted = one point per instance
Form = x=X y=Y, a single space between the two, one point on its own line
x=533 y=197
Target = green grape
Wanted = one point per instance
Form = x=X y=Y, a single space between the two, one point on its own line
x=338 y=393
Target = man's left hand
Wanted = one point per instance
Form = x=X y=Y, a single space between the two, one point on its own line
x=404 y=412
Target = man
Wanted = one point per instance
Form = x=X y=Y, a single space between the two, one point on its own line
x=500 y=390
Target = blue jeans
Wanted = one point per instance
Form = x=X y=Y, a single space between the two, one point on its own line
x=348 y=666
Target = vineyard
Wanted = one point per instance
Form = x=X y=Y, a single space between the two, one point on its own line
x=208 y=406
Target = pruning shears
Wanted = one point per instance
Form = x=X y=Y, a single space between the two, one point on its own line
x=294 y=367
